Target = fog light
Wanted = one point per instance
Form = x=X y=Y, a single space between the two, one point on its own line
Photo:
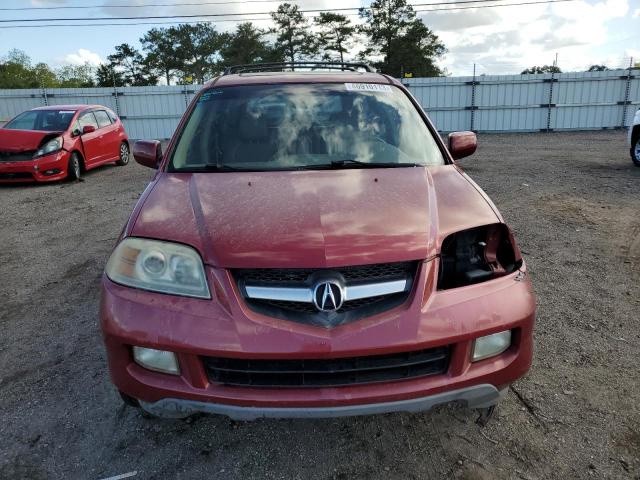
x=157 y=360
x=491 y=345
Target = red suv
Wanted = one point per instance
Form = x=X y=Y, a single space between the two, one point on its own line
x=309 y=248
x=57 y=142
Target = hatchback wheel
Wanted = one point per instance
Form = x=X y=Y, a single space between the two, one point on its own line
x=635 y=152
x=74 y=170
x=124 y=154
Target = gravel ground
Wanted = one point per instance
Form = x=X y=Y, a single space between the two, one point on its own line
x=572 y=199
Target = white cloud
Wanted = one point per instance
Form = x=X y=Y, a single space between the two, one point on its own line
x=83 y=56
x=509 y=39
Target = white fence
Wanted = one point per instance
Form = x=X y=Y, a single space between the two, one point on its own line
x=566 y=101
x=496 y=103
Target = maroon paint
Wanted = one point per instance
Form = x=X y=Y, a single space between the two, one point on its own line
x=462 y=144
x=147 y=153
x=312 y=219
x=105 y=150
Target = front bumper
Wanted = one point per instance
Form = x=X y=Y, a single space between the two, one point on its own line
x=35 y=170
x=477 y=396
x=224 y=327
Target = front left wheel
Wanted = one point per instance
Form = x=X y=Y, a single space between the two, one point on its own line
x=74 y=170
x=124 y=154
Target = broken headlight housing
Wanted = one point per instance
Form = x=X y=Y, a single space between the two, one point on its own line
x=477 y=255
x=51 y=146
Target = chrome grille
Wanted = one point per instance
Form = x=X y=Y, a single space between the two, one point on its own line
x=288 y=293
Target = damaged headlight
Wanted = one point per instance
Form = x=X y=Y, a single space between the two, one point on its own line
x=476 y=255
x=51 y=146
x=158 y=266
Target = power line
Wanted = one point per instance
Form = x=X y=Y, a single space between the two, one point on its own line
x=215 y=3
x=87 y=7
x=213 y=15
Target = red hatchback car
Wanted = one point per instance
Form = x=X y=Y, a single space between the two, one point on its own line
x=52 y=143
x=309 y=248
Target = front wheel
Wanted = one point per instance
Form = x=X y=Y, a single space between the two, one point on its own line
x=124 y=154
x=73 y=170
x=635 y=152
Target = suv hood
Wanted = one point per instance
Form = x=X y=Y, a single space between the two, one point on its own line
x=23 y=140
x=320 y=218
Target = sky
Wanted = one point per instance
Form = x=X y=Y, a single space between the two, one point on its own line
x=500 y=40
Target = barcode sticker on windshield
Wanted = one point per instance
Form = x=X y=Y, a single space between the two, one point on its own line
x=66 y=111
x=368 y=87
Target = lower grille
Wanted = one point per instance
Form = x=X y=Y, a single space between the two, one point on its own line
x=16 y=156
x=333 y=372
x=15 y=176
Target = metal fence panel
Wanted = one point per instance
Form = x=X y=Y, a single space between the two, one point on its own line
x=486 y=103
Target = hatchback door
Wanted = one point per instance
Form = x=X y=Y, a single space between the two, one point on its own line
x=94 y=152
x=109 y=135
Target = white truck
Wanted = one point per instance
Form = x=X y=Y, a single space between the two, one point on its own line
x=634 y=139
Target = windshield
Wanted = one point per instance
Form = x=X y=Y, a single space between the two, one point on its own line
x=44 y=120
x=283 y=127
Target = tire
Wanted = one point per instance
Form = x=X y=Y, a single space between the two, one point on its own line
x=635 y=151
x=74 y=169
x=129 y=400
x=124 y=154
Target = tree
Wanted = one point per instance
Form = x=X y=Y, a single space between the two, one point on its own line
x=543 y=69
x=335 y=32
x=293 y=39
x=71 y=76
x=161 y=59
x=404 y=42
x=247 y=46
x=45 y=76
x=16 y=71
x=197 y=49
x=598 y=68
x=107 y=76
x=130 y=62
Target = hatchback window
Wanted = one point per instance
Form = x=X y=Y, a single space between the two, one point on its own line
x=102 y=118
x=282 y=127
x=112 y=116
x=87 y=119
x=43 y=120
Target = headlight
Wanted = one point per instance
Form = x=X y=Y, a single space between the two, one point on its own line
x=158 y=266
x=51 y=146
x=477 y=255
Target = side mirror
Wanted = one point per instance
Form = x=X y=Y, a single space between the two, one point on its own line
x=462 y=144
x=88 y=129
x=147 y=153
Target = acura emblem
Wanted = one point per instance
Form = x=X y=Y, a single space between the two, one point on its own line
x=328 y=296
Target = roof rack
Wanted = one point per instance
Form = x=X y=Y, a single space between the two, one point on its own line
x=282 y=66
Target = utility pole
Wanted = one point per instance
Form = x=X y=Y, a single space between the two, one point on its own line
x=551 y=104
x=473 y=98
x=626 y=102
x=115 y=91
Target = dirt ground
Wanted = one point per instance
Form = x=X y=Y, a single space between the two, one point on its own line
x=573 y=200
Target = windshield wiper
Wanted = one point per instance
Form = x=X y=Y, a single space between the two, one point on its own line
x=212 y=168
x=352 y=163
